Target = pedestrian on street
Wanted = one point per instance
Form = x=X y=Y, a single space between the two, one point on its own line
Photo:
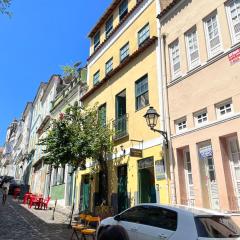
x=5 y=189
x=114 y=232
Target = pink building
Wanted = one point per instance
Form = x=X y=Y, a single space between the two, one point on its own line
x=201 y=42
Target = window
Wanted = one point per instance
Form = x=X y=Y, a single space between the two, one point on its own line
x=124 y=52
x=201 y=117
x=181 y=124
x=109 y=66
x=123 y=9
x=102 y=115
x=233 y=11
x=151 y=216
x=212 y=35
x=143 y=34
x=96 y=77
x=216 y=227
x=109 y=26
x=192 y=48
x=96 y=40
x=224 y=108
x=175 y=59
x=141 y=89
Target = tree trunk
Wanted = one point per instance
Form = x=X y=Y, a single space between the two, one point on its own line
x=103 y=184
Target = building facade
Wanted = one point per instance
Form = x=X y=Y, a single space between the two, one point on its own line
x=123 y=79
x=62 y=180
x=201 y=45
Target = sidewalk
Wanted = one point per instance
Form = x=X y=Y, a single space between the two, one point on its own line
x=18 y=222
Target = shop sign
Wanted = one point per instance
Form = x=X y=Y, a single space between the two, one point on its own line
x=145 y=163
x=159 y=170
x=205 y=152
x=135 y=152
x=234 y=56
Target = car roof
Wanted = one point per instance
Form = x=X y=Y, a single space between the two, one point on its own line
x=187 y=210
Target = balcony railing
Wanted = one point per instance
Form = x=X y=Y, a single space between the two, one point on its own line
x=120 y=126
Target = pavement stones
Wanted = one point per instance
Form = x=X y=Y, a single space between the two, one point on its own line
x=18 y=222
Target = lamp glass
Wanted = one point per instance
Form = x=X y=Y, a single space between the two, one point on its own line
x=151 y=117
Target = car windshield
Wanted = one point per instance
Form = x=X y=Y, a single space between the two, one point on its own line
x=216 y=227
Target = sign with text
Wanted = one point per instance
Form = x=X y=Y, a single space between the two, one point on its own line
x=135 y=152
x=234 y=56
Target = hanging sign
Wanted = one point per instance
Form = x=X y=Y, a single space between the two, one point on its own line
x=135 y=152
x=205 y=152
x=234 y=56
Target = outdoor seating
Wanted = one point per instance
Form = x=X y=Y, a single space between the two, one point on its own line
x=77 y=228
x=35 y=200
x=93 y=223
x=26 y=197
x=45 y=202
x=16 y=192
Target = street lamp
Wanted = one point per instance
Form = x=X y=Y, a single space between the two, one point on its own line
x=151 y=117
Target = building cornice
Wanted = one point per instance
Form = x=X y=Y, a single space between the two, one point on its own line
x=148 y=43
x=115 y=29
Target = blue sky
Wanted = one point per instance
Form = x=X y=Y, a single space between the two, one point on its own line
x=41 y=36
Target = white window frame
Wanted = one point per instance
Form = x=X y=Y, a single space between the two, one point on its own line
x=235 y=37
x=192 y=65
x=221 y=104
x=177 y=122
x=197 y=114
x=177 y=73
x=211 y=52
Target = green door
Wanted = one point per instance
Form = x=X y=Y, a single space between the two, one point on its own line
x=122 y=188
x=147 y=192
x=86 y=196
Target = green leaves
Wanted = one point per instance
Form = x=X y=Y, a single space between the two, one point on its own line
x=77 y=136
x=4 y=6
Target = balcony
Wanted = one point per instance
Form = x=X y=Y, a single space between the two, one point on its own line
x=120 y=126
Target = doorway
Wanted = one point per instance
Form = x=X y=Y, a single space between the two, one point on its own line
x=234 y=154
x=120 y=115
x=122 y=188
x=85 y=194
x=208 y=175
x=188 y=178
x=146 y=181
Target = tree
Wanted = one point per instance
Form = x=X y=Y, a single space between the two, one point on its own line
x=79 y=135
x=4 y=6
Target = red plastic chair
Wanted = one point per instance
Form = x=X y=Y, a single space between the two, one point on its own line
x=16 y=192
x=45 y=203
x=34 y=201
x=26 y=197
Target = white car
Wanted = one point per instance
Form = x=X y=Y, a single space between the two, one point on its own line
x=175 y=222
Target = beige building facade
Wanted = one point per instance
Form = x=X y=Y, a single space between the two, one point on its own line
x=201 y=43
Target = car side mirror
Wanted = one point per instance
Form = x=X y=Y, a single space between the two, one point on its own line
x=117 y=218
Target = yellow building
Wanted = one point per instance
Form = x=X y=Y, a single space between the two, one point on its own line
x=123 y=78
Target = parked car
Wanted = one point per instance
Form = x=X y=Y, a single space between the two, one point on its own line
x=176 y=222
x=15 y=183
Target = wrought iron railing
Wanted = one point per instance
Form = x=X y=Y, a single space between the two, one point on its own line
x=120 y=126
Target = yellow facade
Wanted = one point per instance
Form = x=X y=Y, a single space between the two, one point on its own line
x=139 y=135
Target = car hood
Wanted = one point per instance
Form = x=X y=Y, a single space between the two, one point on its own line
x=107 y=221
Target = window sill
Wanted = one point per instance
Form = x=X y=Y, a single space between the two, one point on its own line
x=212 y=58
x=137 y=110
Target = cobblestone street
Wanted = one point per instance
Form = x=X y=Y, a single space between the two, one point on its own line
x=17 y=222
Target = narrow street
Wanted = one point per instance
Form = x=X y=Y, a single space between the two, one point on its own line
x=19 y=223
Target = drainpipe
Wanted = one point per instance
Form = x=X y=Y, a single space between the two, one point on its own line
x=161 y=94
x=167 y=118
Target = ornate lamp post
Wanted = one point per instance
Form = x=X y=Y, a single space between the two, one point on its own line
x=151 y=117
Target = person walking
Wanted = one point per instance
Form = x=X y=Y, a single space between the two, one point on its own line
x=5 y=188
